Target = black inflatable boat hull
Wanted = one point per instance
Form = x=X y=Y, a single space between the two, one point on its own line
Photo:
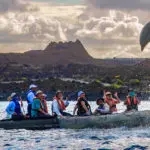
x=133 y=119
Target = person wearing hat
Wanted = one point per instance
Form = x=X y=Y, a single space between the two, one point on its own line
x=44 y=102
x=37 y=110
x=82 y=107
x=30 y=97
x=132 y=102
x=59 y=105
x=102 y=109
x=112 y=102
x=13 y=110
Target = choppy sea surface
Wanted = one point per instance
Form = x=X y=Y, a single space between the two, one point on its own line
x=84 y=139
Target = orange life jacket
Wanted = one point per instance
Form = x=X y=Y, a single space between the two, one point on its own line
x=134 y=101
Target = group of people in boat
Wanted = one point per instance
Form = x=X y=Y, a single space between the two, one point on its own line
x=37 y=104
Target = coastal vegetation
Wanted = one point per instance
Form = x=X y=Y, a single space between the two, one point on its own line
x=73 y=77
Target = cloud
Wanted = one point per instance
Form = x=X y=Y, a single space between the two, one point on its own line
x=110 y=35
x=17 y=5
x=37 y=29
x=104 y=33
x=117 y=28
x=29 y=28
x=120 y=4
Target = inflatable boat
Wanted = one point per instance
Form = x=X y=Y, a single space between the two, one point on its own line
x=132 y=119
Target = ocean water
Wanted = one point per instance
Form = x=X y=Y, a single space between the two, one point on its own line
x=84 y=139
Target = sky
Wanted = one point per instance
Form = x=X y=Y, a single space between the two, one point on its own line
x=107 y=28
x=66 y=2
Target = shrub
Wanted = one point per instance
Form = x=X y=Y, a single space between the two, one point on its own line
x=134 y=81
x=116 y=86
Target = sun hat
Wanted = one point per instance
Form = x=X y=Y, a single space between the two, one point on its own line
x=59 y=91
x=80 y=93
x=130 y=90
x=108 y=93
x=44 y=95
x=32 y=86
x=39 y=92
x=13 y=94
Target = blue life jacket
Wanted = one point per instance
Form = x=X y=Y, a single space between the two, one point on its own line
x=30 y=91
x=17 y=105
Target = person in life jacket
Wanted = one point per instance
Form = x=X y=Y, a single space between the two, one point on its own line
x=83 y=108
x=30 y=96
x=59 y=105
x=103 y=108
x=132 y=102
x=44 y=102
x=13 y=110
x=112 y=102
x=37 y=110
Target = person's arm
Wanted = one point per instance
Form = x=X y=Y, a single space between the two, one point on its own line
x=45 y=103
x=75 y=108
x=41 y=111
x=95 y=112
x=66 y=102
x=117 y=98
x=11 y=108
x=30 y=97
x=84 y=106
x=104 y=94
x=38 y=107
x=21 y=101
x=56 y=108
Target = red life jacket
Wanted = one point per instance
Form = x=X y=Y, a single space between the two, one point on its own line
x=61 y=104
x=134 y=101
x=113 y=104
x=113 y=101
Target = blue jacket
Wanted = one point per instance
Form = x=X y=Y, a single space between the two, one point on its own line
x=30 y=96
x=14 y=107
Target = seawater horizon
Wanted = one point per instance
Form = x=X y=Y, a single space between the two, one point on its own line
x=122 y=138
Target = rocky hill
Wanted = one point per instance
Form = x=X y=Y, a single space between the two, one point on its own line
x=54 y=54
x=62 y=53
